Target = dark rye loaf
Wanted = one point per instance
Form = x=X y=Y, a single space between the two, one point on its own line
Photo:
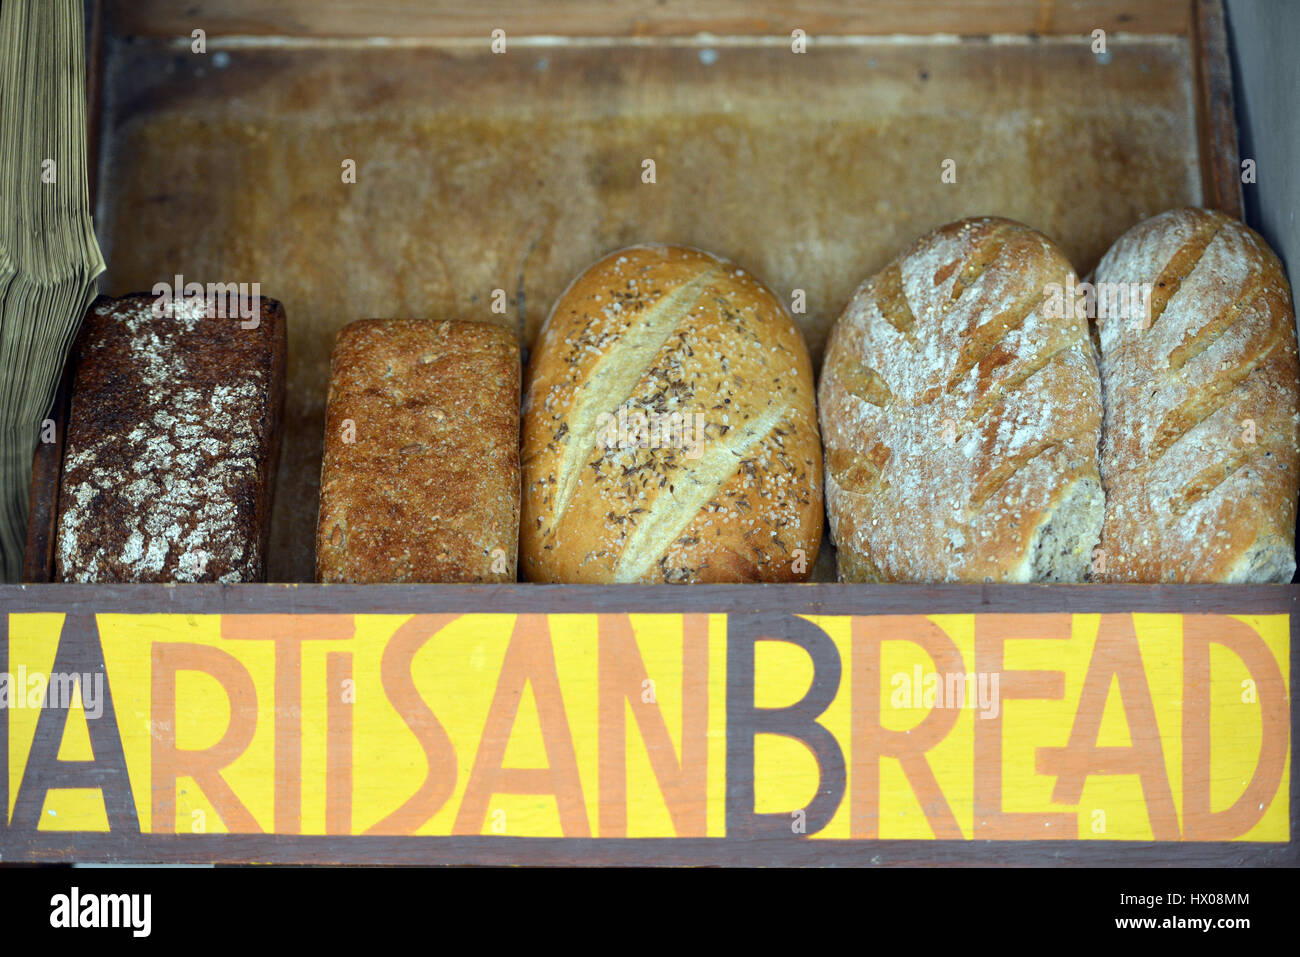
x=172 y=445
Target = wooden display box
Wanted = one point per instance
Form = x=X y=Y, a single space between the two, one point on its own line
x=480 y=171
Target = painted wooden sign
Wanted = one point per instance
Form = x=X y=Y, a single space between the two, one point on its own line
x=1146 y=727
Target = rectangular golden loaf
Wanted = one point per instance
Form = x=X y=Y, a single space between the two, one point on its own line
x=420 y=478
x=1201 y=445
x=960 y=415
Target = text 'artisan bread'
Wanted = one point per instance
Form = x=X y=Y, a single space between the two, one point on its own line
x=960 y=414
x=1199 y=450
x=669 y=429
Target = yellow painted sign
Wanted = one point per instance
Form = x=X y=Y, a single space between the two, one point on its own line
x=1143 y=727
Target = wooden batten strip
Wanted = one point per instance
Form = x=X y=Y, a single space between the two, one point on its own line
x=641 y=18
x=1216 y=116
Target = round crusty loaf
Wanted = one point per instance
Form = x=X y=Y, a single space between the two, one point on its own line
x=734 y=494
x=1201 y=449
x=960 y=418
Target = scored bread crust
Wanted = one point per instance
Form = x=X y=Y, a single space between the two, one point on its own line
x=961 y=417
x=1190 y=496
x=657 y=330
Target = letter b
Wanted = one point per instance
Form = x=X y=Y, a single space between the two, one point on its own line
x=798 y=721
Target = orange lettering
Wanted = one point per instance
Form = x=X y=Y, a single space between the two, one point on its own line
x=170 y=762
x=288 y=632
x=530 y=659
x=1199 y=822
x=338 y=745
x=621 y=674
x=871 y=741
x=1116 y=653
x=991 y=632
x=440 y=755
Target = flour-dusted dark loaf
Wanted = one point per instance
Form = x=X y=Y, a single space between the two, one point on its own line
x=172 y=444
x=1201 y=443
x=961 y=413
x=420 y=479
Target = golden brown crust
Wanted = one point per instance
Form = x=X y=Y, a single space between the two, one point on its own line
x=420 y=479
x=960 y=415
x=1201 y=446
x=716 y=366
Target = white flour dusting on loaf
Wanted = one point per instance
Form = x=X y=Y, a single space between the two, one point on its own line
x=960 y=418
x=1200 y=451
x=167 y=449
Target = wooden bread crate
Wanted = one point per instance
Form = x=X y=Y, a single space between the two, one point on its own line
x=479 y=171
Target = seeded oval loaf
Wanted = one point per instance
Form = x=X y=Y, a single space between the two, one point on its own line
x=420 y=476
x=692 y=357
x=960 y=414
x=1201 y=447
x=172 y=444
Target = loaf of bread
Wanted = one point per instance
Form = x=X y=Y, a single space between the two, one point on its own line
x=669 y=429
x=172 y=443
x=420 y=479
x=1201 y=441
x=960 y=413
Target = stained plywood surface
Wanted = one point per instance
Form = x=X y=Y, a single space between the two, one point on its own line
x=478 y=172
